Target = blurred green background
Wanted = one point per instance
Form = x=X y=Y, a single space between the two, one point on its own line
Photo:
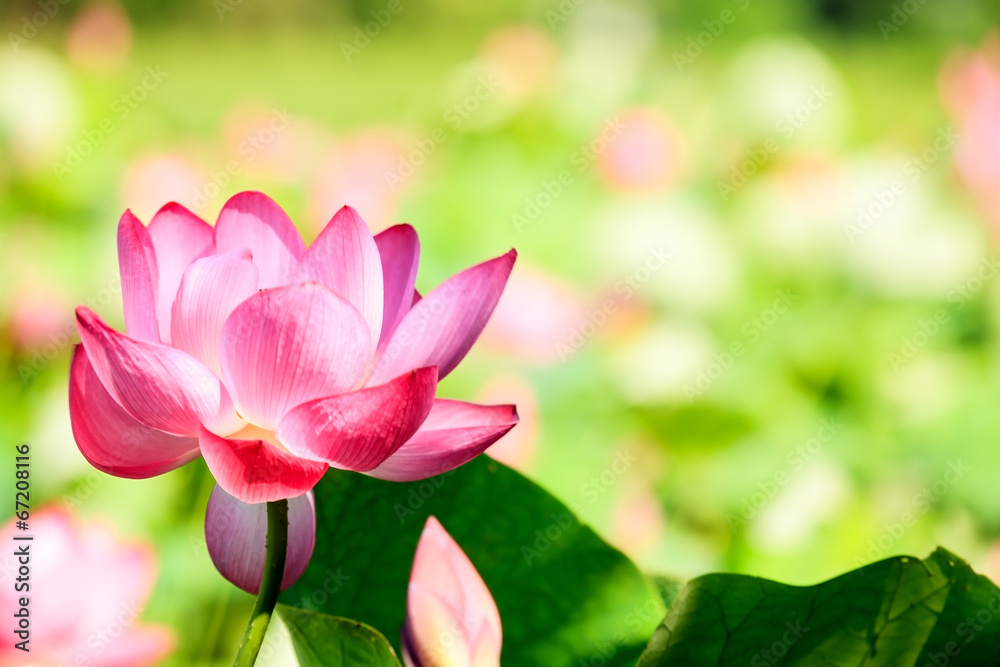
x=753 y=322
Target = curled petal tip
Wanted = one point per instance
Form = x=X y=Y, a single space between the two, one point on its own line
x=441 y=328
x=360 y=430
x=453 y=433
x=128 y=222
x=433 y=525
x=174 y=207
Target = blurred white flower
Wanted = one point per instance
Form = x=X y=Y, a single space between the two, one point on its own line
x=39 y=108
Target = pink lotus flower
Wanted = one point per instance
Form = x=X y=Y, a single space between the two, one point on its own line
x=646 y=156
x=451 y=618
x=971 y=87
x=88 y=589
x=275 y=362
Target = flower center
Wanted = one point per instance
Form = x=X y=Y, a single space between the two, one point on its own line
x=253 y=432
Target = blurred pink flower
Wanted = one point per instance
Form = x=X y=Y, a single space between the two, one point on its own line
x=152 y=179
x=517 y=449
x=37 y=318
x=536 y=313
x=356 y=170
x=451 y=618
x=971 y=86
x=99 y=36
x=646 y=156
x=88 y=589
x=275 y=362
x=638 y=521
x=522 y=58
x=266 y=143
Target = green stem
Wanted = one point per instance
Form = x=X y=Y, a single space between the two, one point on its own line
x=270 y=584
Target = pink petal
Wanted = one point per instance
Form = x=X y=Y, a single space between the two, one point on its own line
x=107 y=571
x=137 y=266
x=344 y=257
x=359 y=430
x=440 y=329
x=437 y=548
x=444 y=587
x=211 y=289
x=252 y=220
x=110 y=439
x=399 y=250
x=236 y=536
x=179 y=237
x=454 y=433
x=285 y=346
x=487 y=642
x=433 y=633
x=161 y=387
x=257 y=471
